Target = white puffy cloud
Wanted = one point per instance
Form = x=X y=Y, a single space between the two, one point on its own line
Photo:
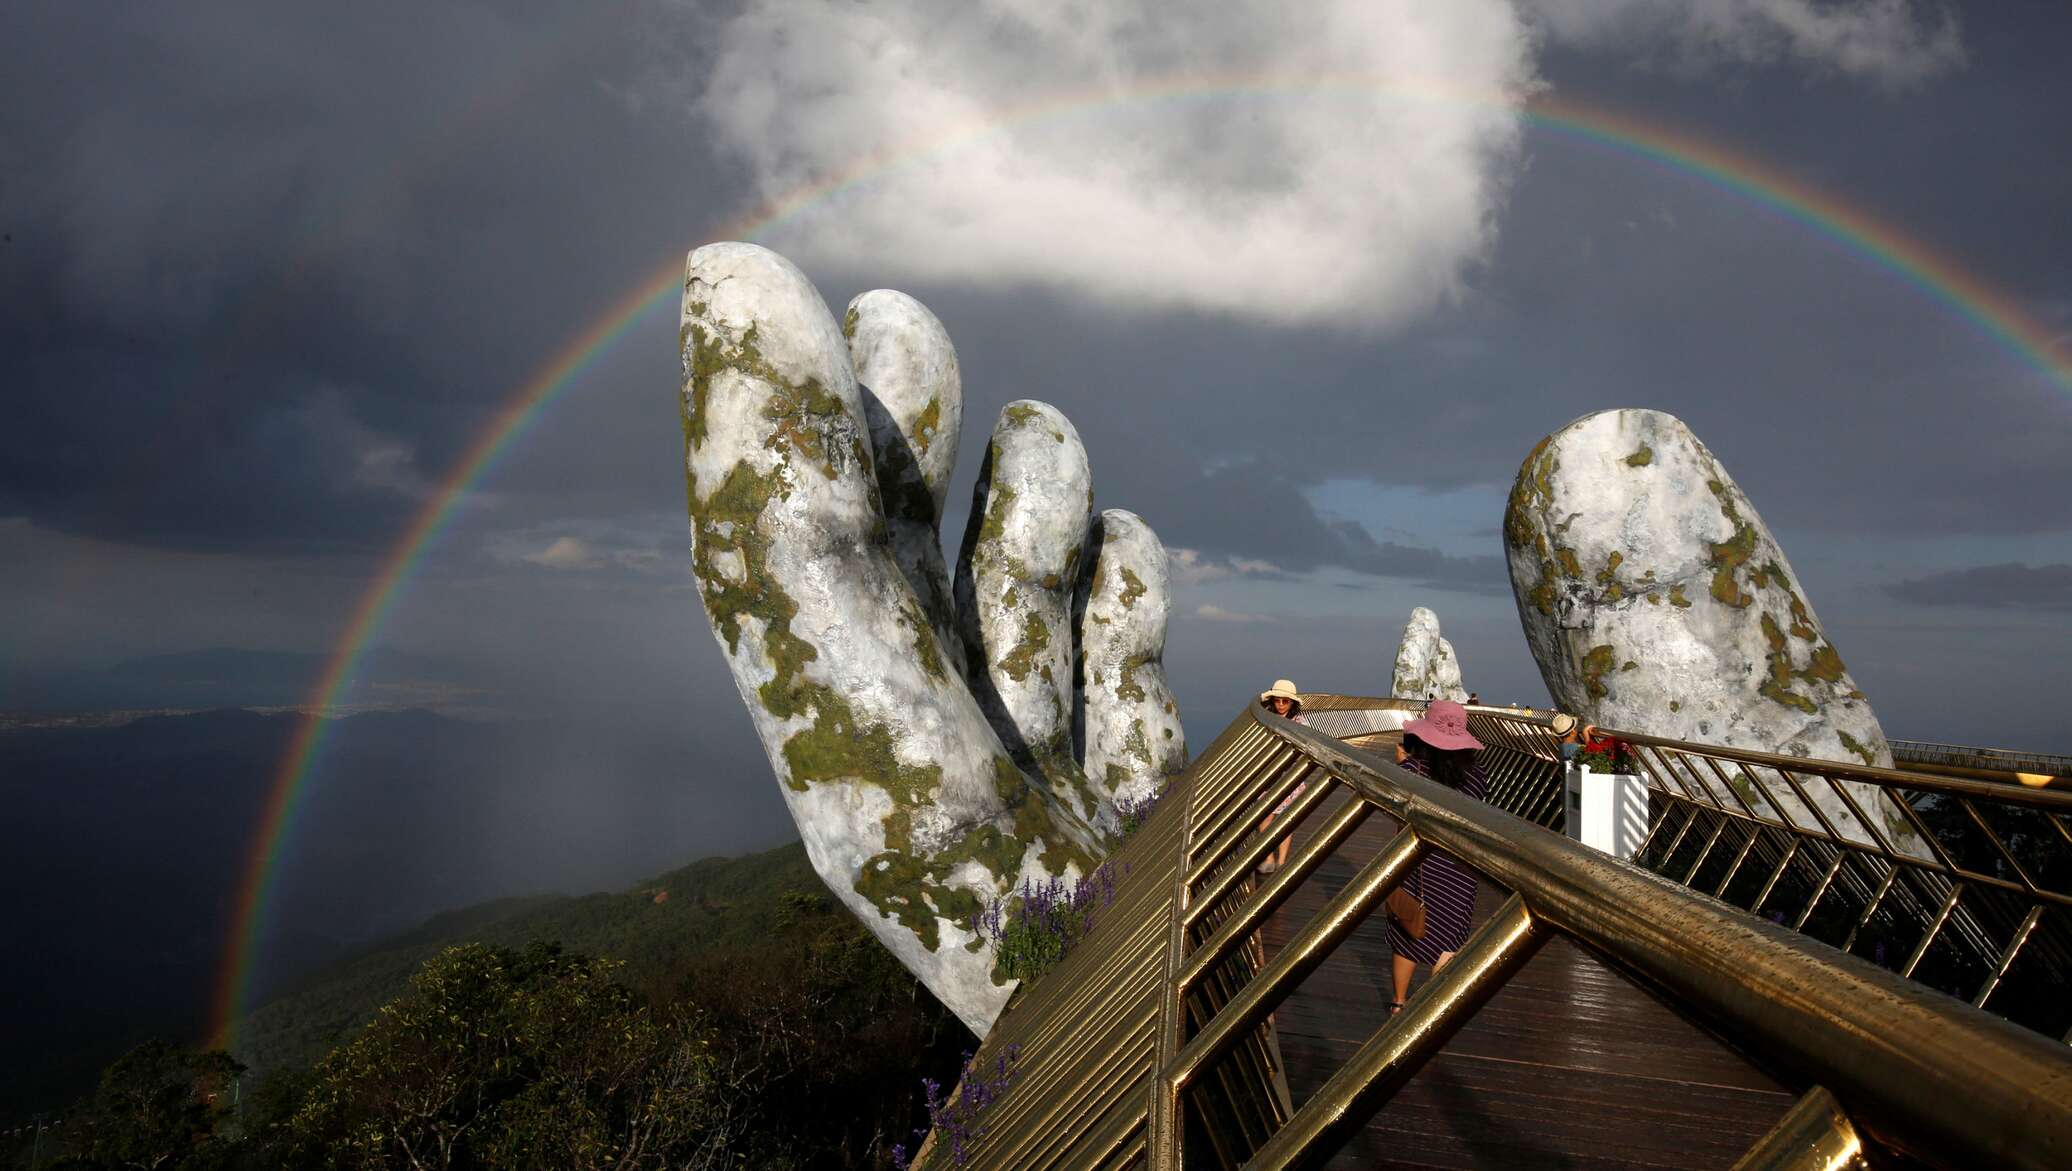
x=617 y=545
x=1888 y=42
x=1192 y=567
x=1343 y=162
x=565 y=553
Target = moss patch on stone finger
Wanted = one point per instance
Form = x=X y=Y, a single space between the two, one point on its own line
x=1133 y=587
x=1858 y=747
x=1020 y=661
x=1597 y=663
x=1727 y=557
x=1531 y=496
x=926 y=425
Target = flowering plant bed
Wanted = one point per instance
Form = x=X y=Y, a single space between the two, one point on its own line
x=1606 y=755
x=954 y=1119
x=1135 y=813
x=1032 y=929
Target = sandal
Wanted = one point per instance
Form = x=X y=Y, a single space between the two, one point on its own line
x=1268 y=866
x=1395 y=1006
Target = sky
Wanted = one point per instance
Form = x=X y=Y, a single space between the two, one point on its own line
x=1309 y=288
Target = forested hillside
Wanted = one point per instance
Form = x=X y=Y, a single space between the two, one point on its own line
x=726 y=1014
x=126 y=851
x=659 y=929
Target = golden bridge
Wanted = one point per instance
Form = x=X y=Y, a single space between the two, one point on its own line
x=1754 y=988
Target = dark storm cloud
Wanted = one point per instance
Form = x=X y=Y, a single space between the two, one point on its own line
x=273 y=271
x=1250 y=513
x=1829 y=384
x=272 y=268
x=2009 y=586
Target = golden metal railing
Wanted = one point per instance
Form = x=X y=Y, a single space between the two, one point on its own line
x=1973 y=898
x=2035 y=769
x=1152 y=1044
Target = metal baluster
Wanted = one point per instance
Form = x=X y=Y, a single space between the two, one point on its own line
x=1755 y=830
x=2014 y=946
x=1820 y=891
x=1934 y=928
x=1791 y=850
x=1310 y=947
x=1253 y=914
x=1870 y=908
x=1396 y=1051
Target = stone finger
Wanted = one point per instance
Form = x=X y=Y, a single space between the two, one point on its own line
x=1655 y=597
x=1126 y=721
x=1015 y=577
x=1425 y=664
x=913 y=399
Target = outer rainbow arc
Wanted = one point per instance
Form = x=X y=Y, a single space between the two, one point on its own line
x=1997 y=314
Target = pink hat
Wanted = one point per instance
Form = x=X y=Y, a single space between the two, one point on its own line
x=1444 y=727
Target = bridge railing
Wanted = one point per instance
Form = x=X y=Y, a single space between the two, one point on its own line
x=1884 y=1058
x=1963 y=884
x=2036 y=769
x=1153 y=1045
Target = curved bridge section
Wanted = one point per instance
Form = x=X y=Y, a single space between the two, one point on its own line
x=1169 y=1037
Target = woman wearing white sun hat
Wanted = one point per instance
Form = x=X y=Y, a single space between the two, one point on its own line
x=1284 y=701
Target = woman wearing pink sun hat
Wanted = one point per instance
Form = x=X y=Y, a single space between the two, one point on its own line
x=1439 y=747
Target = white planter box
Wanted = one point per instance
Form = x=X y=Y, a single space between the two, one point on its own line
x=1608 y=811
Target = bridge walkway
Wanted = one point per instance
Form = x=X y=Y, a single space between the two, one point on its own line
x=1571 y=1065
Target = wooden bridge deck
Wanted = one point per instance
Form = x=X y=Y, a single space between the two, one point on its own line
x=1572 y=1065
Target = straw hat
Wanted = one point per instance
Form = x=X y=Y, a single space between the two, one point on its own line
x=1282 y=689
x=1444 y=727
x=1562 y=723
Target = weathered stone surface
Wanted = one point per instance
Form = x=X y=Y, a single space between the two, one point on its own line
x=913 y=398
x=910 y=807
x=1655 y=598
x=1015 y=577
x=1425 y=666
x=1127 y=723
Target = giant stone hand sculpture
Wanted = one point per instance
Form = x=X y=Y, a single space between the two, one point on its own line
x=1425 y=666
x=814 y=504
x=1655 y=598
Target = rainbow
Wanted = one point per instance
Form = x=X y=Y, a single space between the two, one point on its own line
x=1994 y=314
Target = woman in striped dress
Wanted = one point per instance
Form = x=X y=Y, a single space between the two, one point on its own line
x=1439 y=747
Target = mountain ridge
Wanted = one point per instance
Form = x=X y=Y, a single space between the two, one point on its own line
x=710 y=907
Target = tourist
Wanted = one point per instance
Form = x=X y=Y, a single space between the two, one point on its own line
x=1284 y=701
x=1474 y=699
x=1438 y=747
x=1570 y=734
